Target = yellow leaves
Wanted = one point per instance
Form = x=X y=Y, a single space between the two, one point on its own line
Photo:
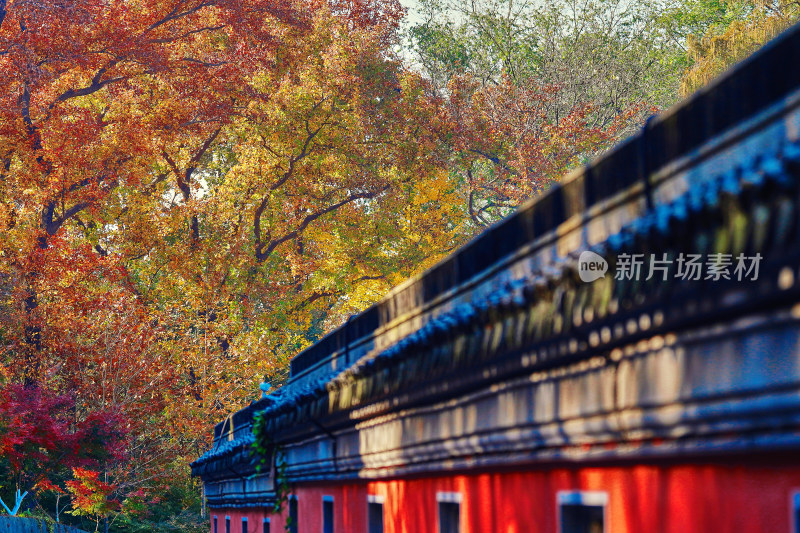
x=331 y=147
x=432 y=188
x=715 y=52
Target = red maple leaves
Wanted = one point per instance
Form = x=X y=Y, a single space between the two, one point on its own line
x=42 y=434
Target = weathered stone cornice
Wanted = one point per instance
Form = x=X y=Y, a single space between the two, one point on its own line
x=554 y=319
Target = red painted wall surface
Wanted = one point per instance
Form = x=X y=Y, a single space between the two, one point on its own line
x=255 y=520
x=641 y=499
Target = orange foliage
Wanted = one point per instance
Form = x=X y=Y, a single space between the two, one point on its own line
x=90 y=496
x=187 y=188
x=510 y=144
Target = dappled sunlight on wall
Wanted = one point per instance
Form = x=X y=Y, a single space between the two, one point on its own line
x=691 y=498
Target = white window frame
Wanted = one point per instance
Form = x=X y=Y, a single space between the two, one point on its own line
x=593 y=498
x=449 y=497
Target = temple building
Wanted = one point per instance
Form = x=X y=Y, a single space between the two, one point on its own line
x=620 y=355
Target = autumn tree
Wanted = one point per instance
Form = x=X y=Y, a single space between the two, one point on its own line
x=91 y=88
x=83 y=109
x=536 y=88
x=91 y=496
x=745 y=26
x=297 y=209
x=41 y=439
x=191 y=191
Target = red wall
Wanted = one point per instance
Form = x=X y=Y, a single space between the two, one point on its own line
x=651 y=499
x=255 y=518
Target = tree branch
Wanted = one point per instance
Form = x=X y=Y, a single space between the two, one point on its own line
x=2 y=11
x=97 y=83
x=265 y=249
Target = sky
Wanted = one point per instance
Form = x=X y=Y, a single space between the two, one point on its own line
x=411 y=5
